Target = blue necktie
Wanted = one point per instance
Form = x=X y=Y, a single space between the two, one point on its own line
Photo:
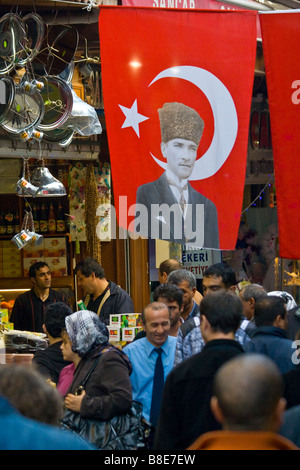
x=158 y=385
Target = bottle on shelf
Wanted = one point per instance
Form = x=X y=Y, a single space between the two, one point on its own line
x=43 y=219
x=17 y=225
x=2 y=224
x=9 y=217
x=60 y=222
x=51 y=219
x=35 y=218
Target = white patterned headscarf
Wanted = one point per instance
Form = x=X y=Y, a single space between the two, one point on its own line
x=287 y=298
x=86 y=331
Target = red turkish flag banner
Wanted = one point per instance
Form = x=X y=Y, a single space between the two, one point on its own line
x=281 y=47
x=165 y=71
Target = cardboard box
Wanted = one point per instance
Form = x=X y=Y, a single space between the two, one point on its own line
x=55 y=247
x=126 y=319
x=115 y=320
x=129 y=333
x=34 y=251
x=57 y=266
x=114 y=333
x=12 y=272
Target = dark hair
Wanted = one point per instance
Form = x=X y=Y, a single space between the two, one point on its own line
x=169 y=265
x=223 y=310
x=89 y=266
x=267 y=309
x=29 y=392
x=170 y=292
x=55 y=315
x=35 y=267
x=224 y=271
x=180 y=275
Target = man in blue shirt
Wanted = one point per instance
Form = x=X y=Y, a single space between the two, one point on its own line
x=143 y=354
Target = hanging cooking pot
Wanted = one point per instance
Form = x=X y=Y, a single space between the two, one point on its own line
x=57 y=51
x=34 y=30
x=26 y=111
x=7 y=94
x=58 y=102
x=12 y=41
x=62 y=137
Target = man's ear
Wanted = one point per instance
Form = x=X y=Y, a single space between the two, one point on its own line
x=194 y=291
x=278 y=415
x=232 y=289
x=216 y=410
x=44 y=329
x=252 y=303
x=279 y=322
x=163 y=149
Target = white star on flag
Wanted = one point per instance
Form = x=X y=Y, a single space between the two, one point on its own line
x=133 y=118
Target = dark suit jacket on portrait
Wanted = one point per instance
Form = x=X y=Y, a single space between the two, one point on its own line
x=159 y=192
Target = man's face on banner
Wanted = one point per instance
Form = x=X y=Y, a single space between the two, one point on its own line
x=180 y=155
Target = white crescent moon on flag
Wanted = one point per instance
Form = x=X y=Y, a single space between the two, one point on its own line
x=225 y=117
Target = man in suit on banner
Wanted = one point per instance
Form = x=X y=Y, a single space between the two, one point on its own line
x=169 y=208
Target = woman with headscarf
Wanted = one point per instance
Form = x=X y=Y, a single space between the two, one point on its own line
x=108 y=391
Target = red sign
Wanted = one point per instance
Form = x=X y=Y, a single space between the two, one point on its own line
x=185 y=4
x=194 y=5
x=161 y=70
x=282 y=59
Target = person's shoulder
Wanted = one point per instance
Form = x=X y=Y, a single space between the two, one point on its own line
x=24 y=296
x=189 y=325
x=149 y=186
x=172 y=340
x=135 y=345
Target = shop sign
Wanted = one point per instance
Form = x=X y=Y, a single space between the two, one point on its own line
x=197 y=261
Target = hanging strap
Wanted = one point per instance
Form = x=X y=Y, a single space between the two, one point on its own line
x=81 y=387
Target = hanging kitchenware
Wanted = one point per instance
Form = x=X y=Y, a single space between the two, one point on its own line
x=26 y=111
x=58 y=102
x=12 y=41
x=24 y=186
x=27 y=234
x=7 y=95
x=83 y=118
x=45 y=181
x=34 y=30
x=62 y=137
x=57 y=51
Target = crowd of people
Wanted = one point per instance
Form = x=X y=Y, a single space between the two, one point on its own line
x=217 y=370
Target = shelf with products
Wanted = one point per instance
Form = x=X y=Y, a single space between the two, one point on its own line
x=55 y=248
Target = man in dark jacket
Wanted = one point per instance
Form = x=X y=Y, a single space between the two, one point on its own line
x=185 y=411
x=102 y=296
x=270 y=336
x=29 y=308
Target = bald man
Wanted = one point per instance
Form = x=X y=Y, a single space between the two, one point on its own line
x=247 y=400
